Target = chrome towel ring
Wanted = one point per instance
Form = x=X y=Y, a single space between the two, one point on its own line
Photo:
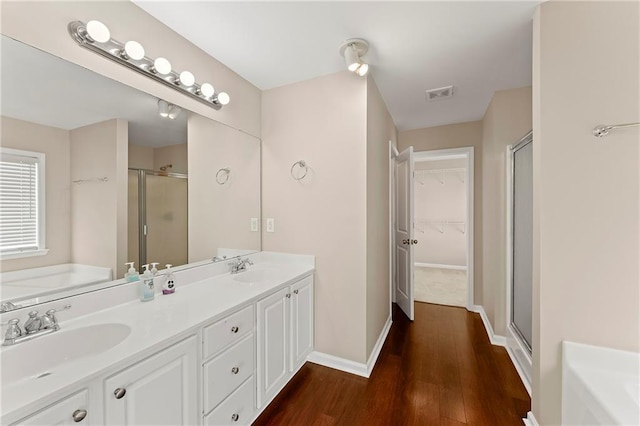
x=222 y=176
x=303 y=165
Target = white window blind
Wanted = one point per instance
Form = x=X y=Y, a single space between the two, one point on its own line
x=21 y=209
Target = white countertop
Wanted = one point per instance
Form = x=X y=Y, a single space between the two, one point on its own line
x=198 y=300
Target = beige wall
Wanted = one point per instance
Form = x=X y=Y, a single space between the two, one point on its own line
x=140 y=157
x=54 y=143
x=586 y=215
x=380 y=130
x=220 y=215
x=324 y=122
x=457 y=136
x=99 y=209
x=43 y=24
x=507 y=119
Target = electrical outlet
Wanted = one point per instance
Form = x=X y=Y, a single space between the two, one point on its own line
x=254 y=224
x=271 y=225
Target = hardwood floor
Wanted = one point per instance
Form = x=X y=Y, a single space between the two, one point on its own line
x=438 y=370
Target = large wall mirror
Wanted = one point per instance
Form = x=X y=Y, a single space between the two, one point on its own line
x=95 y=174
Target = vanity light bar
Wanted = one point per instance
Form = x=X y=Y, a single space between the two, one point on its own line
x=96 y=37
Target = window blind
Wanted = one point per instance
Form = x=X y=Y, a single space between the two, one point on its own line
x=18 y=203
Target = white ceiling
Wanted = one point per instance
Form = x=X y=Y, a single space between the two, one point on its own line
x=476 y=46
x=44 y=89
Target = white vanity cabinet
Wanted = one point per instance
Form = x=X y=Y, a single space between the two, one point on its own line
x=228 y=369
x=160 y=390
x=285 y=336
x=71 y=410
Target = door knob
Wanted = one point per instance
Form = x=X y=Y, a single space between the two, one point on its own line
x=235 y=370
x=119 y=393
x=235 y=417
x=405 y=241
x=414 y=242
x=234 y=329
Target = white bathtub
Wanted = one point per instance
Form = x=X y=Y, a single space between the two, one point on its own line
x=30 y=284
x=600 y=386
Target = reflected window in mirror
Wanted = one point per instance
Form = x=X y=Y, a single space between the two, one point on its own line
x=22 y=203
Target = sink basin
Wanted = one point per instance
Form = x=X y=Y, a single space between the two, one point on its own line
x=41 y=356
x=258 y=275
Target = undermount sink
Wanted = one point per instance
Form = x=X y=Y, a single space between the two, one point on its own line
x=41 y=356
x=258 y=275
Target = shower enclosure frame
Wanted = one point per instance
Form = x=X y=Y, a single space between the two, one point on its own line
x=517 y=348
x=142 y=206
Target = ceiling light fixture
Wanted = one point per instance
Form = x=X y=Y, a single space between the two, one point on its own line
x=167 y=110
x=96 y=37
x=353 y=49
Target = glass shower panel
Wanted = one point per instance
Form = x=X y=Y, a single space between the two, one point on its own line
x=523 y=241
x=133 y=242
x=166 y=208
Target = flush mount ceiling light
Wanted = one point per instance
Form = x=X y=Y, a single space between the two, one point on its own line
x=95 y=36
x=353 y=49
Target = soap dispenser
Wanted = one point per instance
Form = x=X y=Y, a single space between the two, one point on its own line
x=131 y=275
x=169 y=286
x=154 y=268
x=147 y=291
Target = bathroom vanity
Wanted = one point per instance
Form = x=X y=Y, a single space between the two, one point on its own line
x=215 y=352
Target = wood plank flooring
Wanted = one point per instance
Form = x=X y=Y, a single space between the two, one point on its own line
x=439 y=370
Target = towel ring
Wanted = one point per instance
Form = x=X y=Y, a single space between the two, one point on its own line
x=302 y=165
x=223 y=176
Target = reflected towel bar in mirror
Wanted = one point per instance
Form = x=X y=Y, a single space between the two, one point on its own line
x=603 y=129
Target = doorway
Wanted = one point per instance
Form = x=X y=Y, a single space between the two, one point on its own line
x=410 y=171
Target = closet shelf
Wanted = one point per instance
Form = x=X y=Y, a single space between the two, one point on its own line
x=439 y=225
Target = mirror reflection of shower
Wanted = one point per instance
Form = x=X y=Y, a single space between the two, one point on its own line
x=157 y=226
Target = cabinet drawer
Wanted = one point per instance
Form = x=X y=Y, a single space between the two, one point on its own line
x=226 y=331
x=68 y=411
x=237 y=409
x=227 y=371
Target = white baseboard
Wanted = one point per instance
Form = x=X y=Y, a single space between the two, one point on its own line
x=348 y=366
x=493 y=338
x=441 y=266
x=530 y=420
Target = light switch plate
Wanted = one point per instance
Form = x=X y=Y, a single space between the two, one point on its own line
x=271 y=224
x=254 y=224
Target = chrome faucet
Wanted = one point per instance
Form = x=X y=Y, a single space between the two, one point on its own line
x=218 y=258
x=33 y=327
x=240 y=265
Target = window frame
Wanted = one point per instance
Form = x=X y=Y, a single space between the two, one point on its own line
x=41 y=250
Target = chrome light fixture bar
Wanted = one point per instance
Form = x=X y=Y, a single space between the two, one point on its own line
x=96 y=37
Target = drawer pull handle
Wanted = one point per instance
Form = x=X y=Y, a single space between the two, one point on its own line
x=234 y=329
x=288 y=295
x=235 y=417
x=295 y=291
x=235 y=370
x=79 y=415
x=119 y=393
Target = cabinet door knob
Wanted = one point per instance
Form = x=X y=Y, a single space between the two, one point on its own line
x=119 y=393
x=79 y=415
x=295 y=291
x=235 y=417
x=414 y=241
x=234 y=329
x=235 y=370
x=288 y=295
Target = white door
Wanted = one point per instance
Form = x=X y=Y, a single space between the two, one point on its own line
x=404 y=231
x=301 y=321
x=161 y=390
x=273 y=344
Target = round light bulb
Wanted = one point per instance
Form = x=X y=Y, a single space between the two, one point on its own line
x=98 y=31
x=207 y=90
x=223 y=98
x=362 y=70
x=162 y=66
x=134 y=50
x=187 y=79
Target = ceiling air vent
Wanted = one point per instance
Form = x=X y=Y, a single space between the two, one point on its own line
x=439 y=93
